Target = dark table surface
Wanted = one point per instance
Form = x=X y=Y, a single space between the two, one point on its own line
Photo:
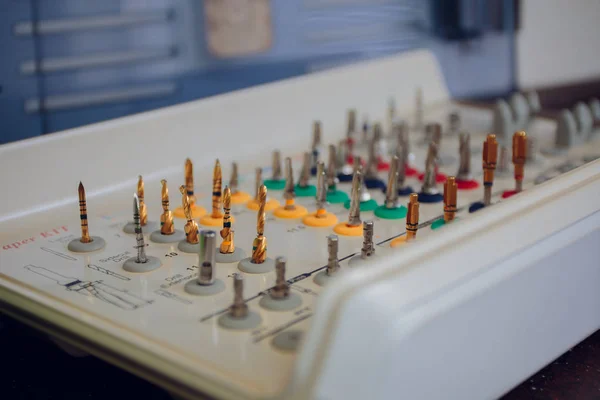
x=35 y=368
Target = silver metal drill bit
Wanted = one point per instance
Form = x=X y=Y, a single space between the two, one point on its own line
x=258 y=182
x=342 y=154
x=234 y=180
x=239 y=308
x=429 y=182
x=368 y=249
x=436 y=133
x=207 y=258
x=464 y=166
x=402 y=152
x=321 y=186
x=453 y=123
x=419 y=109
x=331 y=168
x=333 y=265
x=139 y=236
x=316 y=139
x=289 y=193
x=365 y=131
x=351 y=123
x=391 y=193
x=354 y=214
x=371 y=171
x=276 y=166
x=305 y=172
x=281 y=290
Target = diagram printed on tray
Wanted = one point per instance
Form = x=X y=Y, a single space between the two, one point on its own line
x=117 y=297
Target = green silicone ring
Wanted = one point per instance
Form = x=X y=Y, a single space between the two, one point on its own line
x=308 y=191
x=368 y=205
x=274 y=185
x=390 y=213
x=336 y=197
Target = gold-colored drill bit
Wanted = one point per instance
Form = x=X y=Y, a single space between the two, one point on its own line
x=140 y=195
x=412 y=217
x=191 y=227
x=85 y=234
x=189 y=180
x=233 y=181
x=216 y=191
x=450 y=190
x=490 y=157
x=519 y=156
x=259 y=246
x=166 y=218
x=227 y=246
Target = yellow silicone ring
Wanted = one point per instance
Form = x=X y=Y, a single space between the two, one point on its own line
x=398 y=241
x=297 y=212
x=346 y=230
x=240 y=198
x=328 y=219
x=270 y=205
x=210 y=221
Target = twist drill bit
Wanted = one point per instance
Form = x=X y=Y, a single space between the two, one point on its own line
x=276 y=166
x=365 y=130
x=289 y=192
x=519 y=156
x=490 y=155
x=342 y=154
x=354 y=214
x=321 y=191
x=233 y=181
x=281 y=289
x=166 y=218
x=239 y=308
x=391 y=112
x=207 y=258
x=316 y=141
x=189 y=180
x=454 y=122
x=412 y=217
x=368 y=249
x=429 y=183
x=464 y=167
x=333 y=265
x=258 y=182
x=191 y=227
x=259 y=246
x=371 y=171
x=391 y=193
x=216 y=191
x=85 y=234
x=227 y=246
x=450 y=189
x=419 y=109
x=331 y=168
x=140 y=194
x=351 y=123
x=305 y=172
x=139 y=236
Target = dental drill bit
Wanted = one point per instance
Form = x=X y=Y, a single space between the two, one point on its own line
x=368 y=249
x=490 y=155
x=139 y=236
x=207 y=258
x=227 y=245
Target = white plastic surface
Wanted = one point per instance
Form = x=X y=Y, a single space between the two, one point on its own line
x=148 y=324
